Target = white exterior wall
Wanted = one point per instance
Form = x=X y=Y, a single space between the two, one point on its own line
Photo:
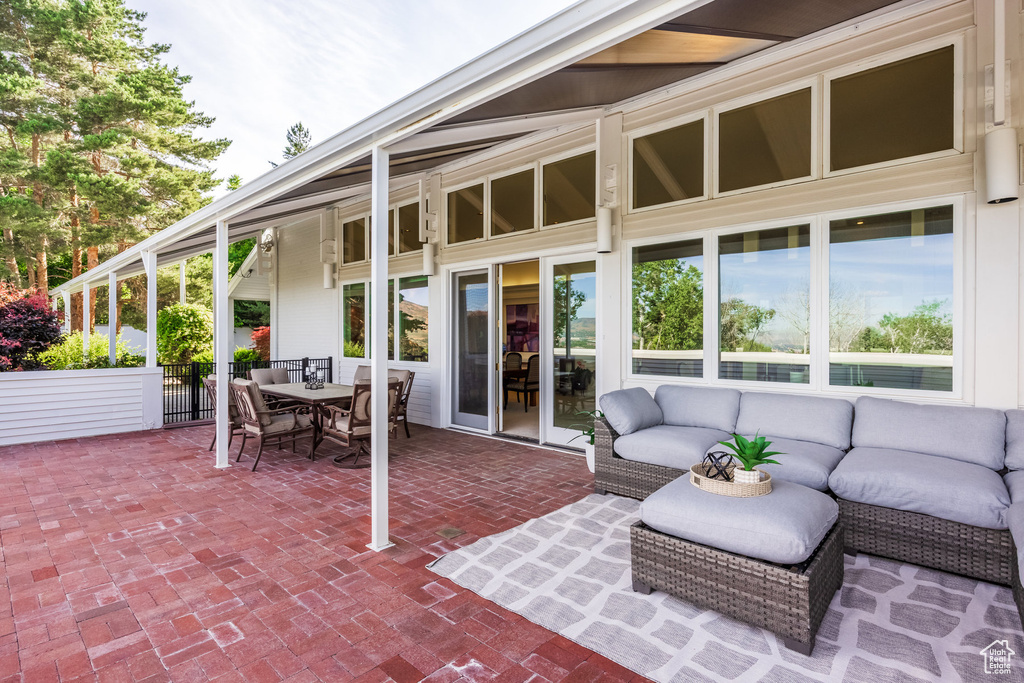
x=307 y=315
x=990 y=320
x=69 y=404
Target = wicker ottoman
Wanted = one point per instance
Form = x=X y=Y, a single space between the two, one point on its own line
x=789 y=600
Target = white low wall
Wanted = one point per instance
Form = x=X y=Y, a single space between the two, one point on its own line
x=67 y=404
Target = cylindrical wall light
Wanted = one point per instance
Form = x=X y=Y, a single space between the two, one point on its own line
x=604 y=230
x=328 y=276
x=428 y=258
x=1001 y=165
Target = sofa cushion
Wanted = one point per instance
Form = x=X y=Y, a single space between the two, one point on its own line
x=975 y=435
x=1015 y=439
x=786 y=526
x=802 y=462
x=942 y=487
x=708 y=407
x=669 y=446
x=789 y=416
x=1015 y=485
x=629 y=410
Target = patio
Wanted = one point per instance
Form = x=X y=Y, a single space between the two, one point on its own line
x=130 y=558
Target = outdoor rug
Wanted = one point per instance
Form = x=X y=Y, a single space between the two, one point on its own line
x=891 y=622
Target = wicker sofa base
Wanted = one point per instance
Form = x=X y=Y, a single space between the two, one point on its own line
x=788 y=601
x=985 y=554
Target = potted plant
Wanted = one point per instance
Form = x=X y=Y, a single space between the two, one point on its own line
x=587 y=432
x=750 y=453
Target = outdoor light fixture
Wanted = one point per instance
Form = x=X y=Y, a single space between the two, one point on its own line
x=1001 y=177
x=328 y=276
x=428 y=258
x=604 y=230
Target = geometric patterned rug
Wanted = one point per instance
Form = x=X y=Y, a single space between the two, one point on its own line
x=891 y=622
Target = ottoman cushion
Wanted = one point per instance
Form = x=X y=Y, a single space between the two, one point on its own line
x=783 y=527
x=669 y=446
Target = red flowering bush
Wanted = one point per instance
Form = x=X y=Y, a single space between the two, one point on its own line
x=261 y=342
x=27 y=326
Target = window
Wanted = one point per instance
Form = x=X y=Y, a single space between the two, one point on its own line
x=354 y=317
x=668 y=309
x=466 y=214
x=391 y=233
x=353 y=237
x=512 y=204
x=413 y=302
x=766 y=142
x=764 y=305
x=893 y=111
x=409 y=228
x=891 y=300
x=570 y=189
x=668 y=166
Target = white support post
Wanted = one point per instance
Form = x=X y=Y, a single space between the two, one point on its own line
x=222 y=314
x=181 y=282
x=85 y=320
x=149 y=263
x=609 y=266
x=66 y=295
x=112 y=316
x=379 y=174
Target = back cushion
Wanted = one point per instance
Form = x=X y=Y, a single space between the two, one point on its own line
x=806 y=418
x=630 y=410
x=975 y=435
x=279 y=375
x=1015 y=439
x=699 y=406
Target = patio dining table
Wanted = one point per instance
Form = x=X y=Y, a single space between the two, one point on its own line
x=316 y=399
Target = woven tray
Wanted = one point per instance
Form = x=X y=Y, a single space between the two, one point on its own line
x=729 y=488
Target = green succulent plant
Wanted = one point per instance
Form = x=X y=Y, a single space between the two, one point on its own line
x=751 y=452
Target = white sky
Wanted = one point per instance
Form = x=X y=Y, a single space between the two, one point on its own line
x=259 y=66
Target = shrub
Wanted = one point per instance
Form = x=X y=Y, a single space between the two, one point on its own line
x=247 y=355
x=204 y=356
x=67 y=354
x=261 y=342
x=27 y=326
x=183 y=330
x=354 y=350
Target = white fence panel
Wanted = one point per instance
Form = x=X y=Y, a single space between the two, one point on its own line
x=68 y=404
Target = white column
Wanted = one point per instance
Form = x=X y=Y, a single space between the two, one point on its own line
x=112 y=316
x=149 y=263
x=85 y=321
x=66 y=295
x=379 y=362
x=181 y=282
x=222 y=315
x=609 y=266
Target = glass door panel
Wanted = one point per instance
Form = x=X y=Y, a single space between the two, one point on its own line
x=470 y=350
x=572 y=348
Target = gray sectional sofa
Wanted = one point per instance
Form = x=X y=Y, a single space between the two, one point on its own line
x=938 y=486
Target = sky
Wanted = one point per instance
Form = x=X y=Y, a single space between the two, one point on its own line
x=259 y=66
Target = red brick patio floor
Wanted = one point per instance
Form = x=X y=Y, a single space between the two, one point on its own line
x=131 y=558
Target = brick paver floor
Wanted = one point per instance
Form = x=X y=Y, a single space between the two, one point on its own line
x=131 y=558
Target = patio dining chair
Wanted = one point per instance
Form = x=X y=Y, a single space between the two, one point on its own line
x=351 y=427
x=530 y=384
x=234 y=420
x=401 y=415
x=265 y=376
x=262 y=422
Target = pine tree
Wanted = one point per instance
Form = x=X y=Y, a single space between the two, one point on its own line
x=299 y=140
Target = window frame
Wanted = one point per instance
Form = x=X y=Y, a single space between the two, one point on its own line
x=659 y=127
x=818 y=366
x=554 y=159
x=349 y=218
x=447 y=192
x=394 y=208
x=891 y=57
x=394 y=279
x=812 y=82
x=489 y=196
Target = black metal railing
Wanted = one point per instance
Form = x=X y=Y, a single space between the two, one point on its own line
x=185 y=398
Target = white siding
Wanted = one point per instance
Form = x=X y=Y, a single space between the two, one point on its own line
x=43 y=406
x=307 y=314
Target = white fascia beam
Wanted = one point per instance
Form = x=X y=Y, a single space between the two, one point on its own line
x=578 y=31
x=222 y=315
x=379 y=417
x=470 y=132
